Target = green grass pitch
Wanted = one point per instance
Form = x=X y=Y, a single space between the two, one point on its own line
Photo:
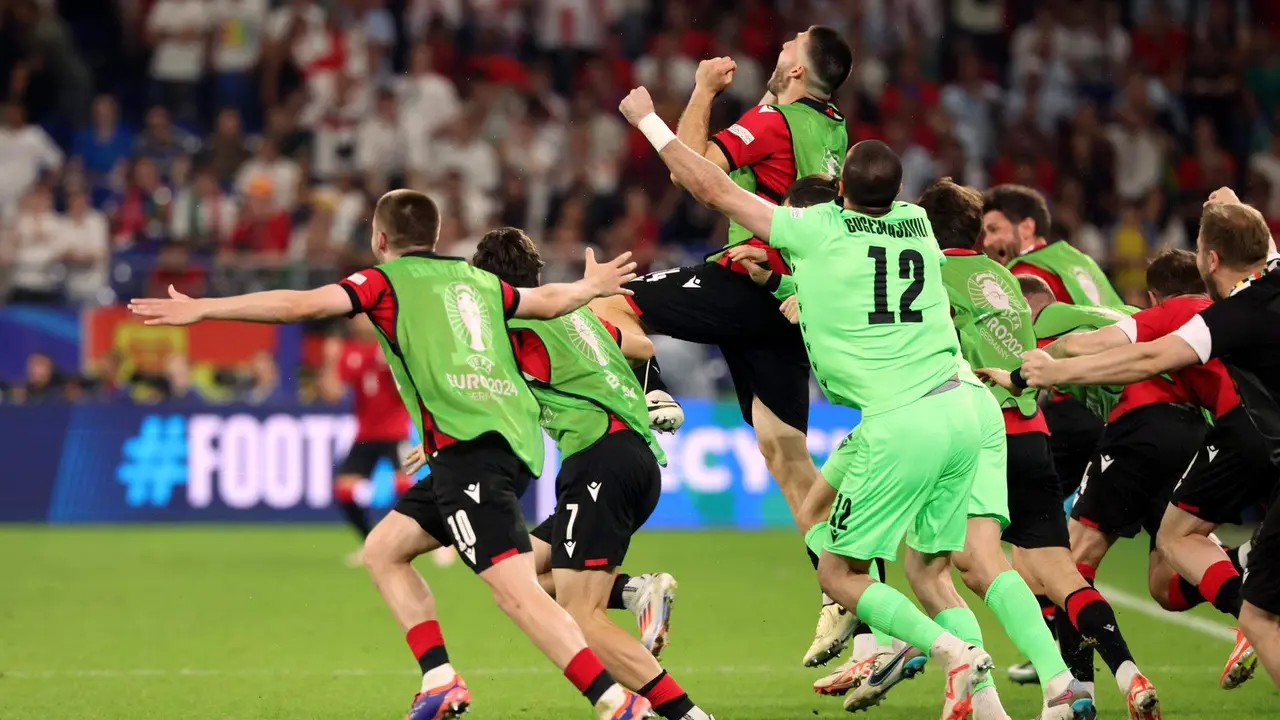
x=265 y=623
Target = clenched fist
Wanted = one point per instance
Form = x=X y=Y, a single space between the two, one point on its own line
x=715 y=74
x=636 y=105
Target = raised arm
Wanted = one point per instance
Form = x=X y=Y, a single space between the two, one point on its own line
x=712 y=78
x=273 y=306
x=1117 y=366
x=598 y=280
x=1087 y=343
x=708 y=183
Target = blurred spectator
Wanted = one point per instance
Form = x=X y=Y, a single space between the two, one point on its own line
x=26 y=151
x=971 y=101
x=86 y=249
x=380 y=146
x=267 y=164
x=1038 y=44
x=428 y=102
x=177 y=31
x=338 y=103
x=144 y=211
x=1129 y=253
x=635 y=230
x=32 y=245
x=1086 y=155
x=664 y=70
x=1262 y=75
x=917 y=163
x=203 y=215
x=104 y=146
x=1098 y=46
x=262 y=385
x=318 y=241
x=226 y=149
x=42 y=383
x=236 y=44
x=1207 y=167
x=1266 y=163
x=1159 y=45
x=463 y=151
x=174 y=267
x=1139 y=149
x=163 y=143
x=262 y=232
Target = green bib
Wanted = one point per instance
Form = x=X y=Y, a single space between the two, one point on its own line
x=1061 y=318
x=819 y=142
x=590 y=379
x=451 y=357
x=992 y=319
x=1084 y=280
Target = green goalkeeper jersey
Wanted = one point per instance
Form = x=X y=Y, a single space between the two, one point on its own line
x=873 y=307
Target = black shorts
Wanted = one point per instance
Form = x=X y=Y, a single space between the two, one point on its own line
x=364 y=457
x=603 y=495
x=1074 y=432
x=1262 y=575
x=1230 y=474
x=711 y=305
x=1036 y=518
x=472 y=501
x=1126 y=486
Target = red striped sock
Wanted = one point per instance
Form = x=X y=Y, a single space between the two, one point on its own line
x=1182 y=594
x=667 y=697
x=427 y=643
x=1088 y=572
x=588 y=675
x=1221 y=586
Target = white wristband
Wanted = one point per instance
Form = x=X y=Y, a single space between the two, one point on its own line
x=656 y=131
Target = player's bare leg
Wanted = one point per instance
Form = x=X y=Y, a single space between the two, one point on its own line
x=388 y=553
x=650 y=597
x=665 y=413
x=1263 y=631
x=344 y=489
x=585 y=595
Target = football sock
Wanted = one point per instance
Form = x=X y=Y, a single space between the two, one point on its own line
x=865 y=644
x=890 y=612
x=1077 y=653
x=1183 y=595
x=883 y=639
x=1050 y=612
x=650 y=376
x=588 y=675
x=427 y=644
x=616 y=600
x=354 y=514
x=1093 y=616
x=666 y=697
x=959 y=621
x=1020 y=616
x=1239 y=556
x=1221 y=587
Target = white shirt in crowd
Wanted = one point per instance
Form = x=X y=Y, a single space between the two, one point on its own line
x=178 y=59
x=24 y=154
x=1267 y=164
x=238 y=27
x=87 y=240
x=573 y=24
x=196 y=216
x=428 y=102
x=380 y=147
x=282 y=172
x=33 y=244
x=1139 y=161
x=314 y=42
x=475 y=159
x=679 y=69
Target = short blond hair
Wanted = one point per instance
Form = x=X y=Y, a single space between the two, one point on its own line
x=1238 y=233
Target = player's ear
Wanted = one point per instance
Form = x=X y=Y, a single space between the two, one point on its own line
x=1026 y=228
x=1151 y=299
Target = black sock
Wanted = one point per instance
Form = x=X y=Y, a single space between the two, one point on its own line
x=1049 y=612
x=1233 y=554
x=599 y=687
x=432 y=659
x=1228 y=598
x=1096 y=620
x=615 y=595
x=650 y=376
x=357 y=517
x=1076 y=651
x=668 y=698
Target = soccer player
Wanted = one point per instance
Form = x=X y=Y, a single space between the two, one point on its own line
x=794 y=132
x=914 y=455
x=1242 y=328
x=441 y=324
x=609 y=481
x=382 y=423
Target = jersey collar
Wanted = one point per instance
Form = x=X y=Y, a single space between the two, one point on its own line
x=1247 y=281
x=822 y=108
x=431 y=255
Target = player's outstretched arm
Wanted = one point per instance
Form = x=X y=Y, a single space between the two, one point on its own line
x=694 y=128
x=1087 y=343
x=273 y=306
x=598 y=280
x=708 y=183
x=1117 y=366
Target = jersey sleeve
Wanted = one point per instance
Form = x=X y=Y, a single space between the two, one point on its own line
x=794 y=230
x=614 y=331
x=510 y=300
x=759 y=133
x=531 y=354
x=1225 y=327
x=1055 y=283
x=1150 y=324
x=368 y=289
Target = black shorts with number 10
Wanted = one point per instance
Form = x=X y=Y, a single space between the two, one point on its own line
x=710 y=304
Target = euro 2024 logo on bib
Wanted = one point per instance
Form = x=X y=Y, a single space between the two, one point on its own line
x=1000 y=319
x=586 y=338
x=469 y=320
x=1087 y=285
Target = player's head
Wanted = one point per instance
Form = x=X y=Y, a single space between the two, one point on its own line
x=812 y=190
x=404 y=221
x=815 y=61
x=1014 y=219
x=955 y=212
x=872 y=175
x=510 y=254
x=1037 y=292
x=1173 y=273
x=1234 y=241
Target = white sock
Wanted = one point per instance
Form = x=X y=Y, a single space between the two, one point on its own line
x=864 y=646
x=1125 y=675
x=1246 y=547
x=1057 y=684
x=986 y=705
x=614 y=696
x=826 y=600
x=437 y=676
x=947 y=648
x=631 y=590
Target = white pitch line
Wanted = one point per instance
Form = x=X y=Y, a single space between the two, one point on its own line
x=1146 y=607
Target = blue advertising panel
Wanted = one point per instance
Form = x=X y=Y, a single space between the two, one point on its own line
x=120 y=463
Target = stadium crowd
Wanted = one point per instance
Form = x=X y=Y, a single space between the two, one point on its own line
x=232 y=145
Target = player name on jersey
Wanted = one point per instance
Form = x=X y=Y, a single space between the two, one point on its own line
x=911 y=227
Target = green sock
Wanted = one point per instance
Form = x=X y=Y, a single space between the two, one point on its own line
x=959 y=621
x=882 y=638
x=1016 y=608
x=816 y=538
x=888 y=610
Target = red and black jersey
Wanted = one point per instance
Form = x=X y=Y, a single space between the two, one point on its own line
x=380 y=413
x=1208 y=385
x=370 y=292
x=1055 y=283
x=535 y=361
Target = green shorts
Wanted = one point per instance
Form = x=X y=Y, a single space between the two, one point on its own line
x=908 y=473
x=990 y=497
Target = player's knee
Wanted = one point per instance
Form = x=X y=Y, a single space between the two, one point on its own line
x=381 y=551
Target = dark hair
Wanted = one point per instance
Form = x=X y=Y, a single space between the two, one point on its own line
x=508 y=253
x=1238 y=233
x=408 y=218
x=1017 y=203
x=1033 y=285
x=954 y=211
x=812 y=190
x=1174 y=272
x=830 y=59
x=872 y=174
